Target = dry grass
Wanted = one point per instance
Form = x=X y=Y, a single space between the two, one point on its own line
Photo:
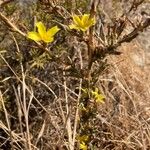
x=127 y=111
x=41 y=109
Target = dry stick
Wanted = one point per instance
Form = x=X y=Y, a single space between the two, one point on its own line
x=25 y=108
x=133 y=34
x=126 y=38
x=56 y=97
x=135 y=5
x=19 y=107
x=7 y=119
x=29 y=91
x=68 y=119
x=15 y=136
x=11 y=25
x=41 y=82
x=24 y=100
x=90 y=41
x=41 y=132
x=56 y=8
x=78 y=101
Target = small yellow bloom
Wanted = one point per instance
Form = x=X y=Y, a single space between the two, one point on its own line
x=82 y=23
x=99 y=98
x=83 y=138
x=42 y=34
x=83 y=146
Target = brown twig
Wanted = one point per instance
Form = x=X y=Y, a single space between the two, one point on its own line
x=90 y=41
x=102 y=51
x=11 y=25
x=132 y=35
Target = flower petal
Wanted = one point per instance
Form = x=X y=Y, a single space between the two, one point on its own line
x=41 y=29
x=100 y=98
x=82 y=23
x=77 y=20
x=84 y=29
x=34 y=36
x=85 y=18
x=52 y=31
x=73 y=26
x=47 y=39
x=83 y=146
x=90 y=22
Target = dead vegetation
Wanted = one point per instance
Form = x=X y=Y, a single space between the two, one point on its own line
x=46 y=99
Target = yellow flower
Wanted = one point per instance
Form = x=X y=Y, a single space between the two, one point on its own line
x=83 y=146
x=82 y=23
x=83 y=138
x=42 y=34
x=98 y=97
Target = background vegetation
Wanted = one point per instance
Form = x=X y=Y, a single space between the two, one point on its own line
x=85 y=90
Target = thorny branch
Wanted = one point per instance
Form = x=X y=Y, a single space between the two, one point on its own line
x=102 y=51
x=115 y=33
